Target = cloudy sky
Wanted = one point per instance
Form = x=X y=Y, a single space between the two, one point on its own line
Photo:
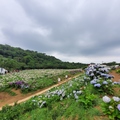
x=71 y=30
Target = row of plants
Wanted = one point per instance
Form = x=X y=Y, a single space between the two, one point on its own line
x=32 y=80
x=77 y=99
x=28 y=75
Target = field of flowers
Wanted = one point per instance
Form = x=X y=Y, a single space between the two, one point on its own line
x=90 y=96
x=31 y=80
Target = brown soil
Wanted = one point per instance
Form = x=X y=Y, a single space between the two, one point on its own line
x=116 y=76
x=117 y=79
x=6 y=99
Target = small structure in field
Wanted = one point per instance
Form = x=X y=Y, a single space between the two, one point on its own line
x=59 y=79
x=3 y=71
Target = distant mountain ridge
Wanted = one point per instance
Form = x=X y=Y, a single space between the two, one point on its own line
x=16 y=58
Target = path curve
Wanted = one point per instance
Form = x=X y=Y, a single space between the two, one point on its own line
x=41 y=92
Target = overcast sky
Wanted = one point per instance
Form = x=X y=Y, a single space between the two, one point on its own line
x=71 y=30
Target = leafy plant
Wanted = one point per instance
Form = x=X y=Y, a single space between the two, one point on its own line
x=103 y=86
x=111 y=107
x=87 y=99
x=118 y=71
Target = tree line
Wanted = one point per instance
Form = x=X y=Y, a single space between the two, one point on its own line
x=15 y=58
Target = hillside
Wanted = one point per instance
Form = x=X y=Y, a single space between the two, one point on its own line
x=17 y=58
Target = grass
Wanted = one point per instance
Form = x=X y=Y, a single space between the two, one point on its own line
x=8 y=90
x=66 y=110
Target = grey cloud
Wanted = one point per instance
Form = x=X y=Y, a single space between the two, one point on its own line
x=78 y=28
x=28 y=40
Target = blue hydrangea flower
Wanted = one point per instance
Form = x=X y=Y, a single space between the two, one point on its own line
x=105 y=82
x=92 y=81
x=106 y=99
x=118 y=106
x=117 y=99
x=97 y=85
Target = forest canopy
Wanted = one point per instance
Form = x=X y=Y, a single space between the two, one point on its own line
x=12 y=58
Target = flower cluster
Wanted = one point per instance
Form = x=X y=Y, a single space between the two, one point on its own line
x=19 y=84
x=100 y=78
x=111 y=107
x=69 y=90
x=106 y=99
x=116 y=83
x=97 y=70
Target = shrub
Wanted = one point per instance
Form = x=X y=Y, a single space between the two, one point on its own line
x=111 y=107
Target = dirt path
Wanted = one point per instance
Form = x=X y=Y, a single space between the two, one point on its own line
x=116 y=76
x=5 y=98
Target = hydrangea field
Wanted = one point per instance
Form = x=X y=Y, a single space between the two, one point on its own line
x=90 y=96
x=31 y=80
x=28 y=76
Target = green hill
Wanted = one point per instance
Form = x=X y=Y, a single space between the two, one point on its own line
x=17 y=58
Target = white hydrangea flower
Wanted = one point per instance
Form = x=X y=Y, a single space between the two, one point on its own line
x=63 y=94
x=117 y=99
x=106 y=99
x=74 y=91
x=79 y=92
x=97 y=80
x=110 y=107
x=68 y=96
x=44 y=102
x=110 y=80
x=76 y=97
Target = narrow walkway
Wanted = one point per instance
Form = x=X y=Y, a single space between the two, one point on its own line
x=41 y=92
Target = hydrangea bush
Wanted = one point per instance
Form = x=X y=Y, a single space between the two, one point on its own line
x=99 y=78
x=111 y=107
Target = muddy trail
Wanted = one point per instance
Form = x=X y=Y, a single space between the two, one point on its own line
x=6 y=99
x=116 y=76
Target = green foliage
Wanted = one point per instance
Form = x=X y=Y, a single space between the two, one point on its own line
x=111 y=63
x=118 y=71
x=66 y=110
x=16 y=58
x=11 y=113
x=110 y=107
x=106 y=88
x=88 y=99
x=8 y=90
